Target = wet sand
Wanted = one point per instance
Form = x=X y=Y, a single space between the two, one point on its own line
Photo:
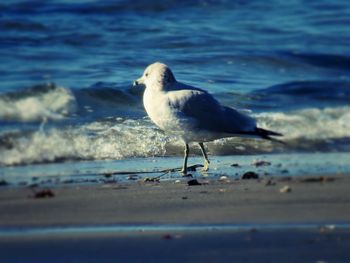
x=258 y=205
x=209 y=246
x=213 y=202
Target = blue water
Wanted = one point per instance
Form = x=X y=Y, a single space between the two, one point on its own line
x=67 y=67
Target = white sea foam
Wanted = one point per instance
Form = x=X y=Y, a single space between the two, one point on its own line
x=310 y=123
x=55 y=103
x=97 y=140
x=309 y=129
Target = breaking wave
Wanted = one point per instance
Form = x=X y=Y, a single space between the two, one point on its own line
x=309 y=130
x=51 y=102
x=37 y=103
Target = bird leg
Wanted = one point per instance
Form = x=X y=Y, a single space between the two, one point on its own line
x=206 y=160
x=184 y=167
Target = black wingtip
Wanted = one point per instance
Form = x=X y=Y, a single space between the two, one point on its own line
x=274 y=140
x=266 y=134
x=263 y=132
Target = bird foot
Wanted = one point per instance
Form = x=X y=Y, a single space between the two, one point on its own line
x=206 y=166
x=184 y=173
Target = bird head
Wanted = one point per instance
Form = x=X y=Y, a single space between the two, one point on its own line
x=156 y=75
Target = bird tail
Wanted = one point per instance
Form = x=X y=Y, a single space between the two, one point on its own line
x=264 y=134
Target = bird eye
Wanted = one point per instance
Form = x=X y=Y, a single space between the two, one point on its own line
x=146 y=74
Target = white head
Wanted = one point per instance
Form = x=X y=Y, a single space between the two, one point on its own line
x=156 y=75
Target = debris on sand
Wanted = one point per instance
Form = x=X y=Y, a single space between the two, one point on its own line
x=250 y=175
x=151 y=180
x=321 y=179
x=193 y=182
x=286 y=189
x=270 y=183
x=45 y=193
x=259 y=163
x=132 y=177
x=223 y=178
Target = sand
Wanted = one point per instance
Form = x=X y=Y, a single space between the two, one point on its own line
x=217 y=221
x=213 y=202
x=182 y=246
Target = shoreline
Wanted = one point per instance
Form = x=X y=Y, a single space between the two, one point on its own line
x=135 y=169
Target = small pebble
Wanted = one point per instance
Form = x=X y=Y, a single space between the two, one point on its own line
x=193 y=182
x=285 y=189
x=223 y=178
x=177 y=181
x=258 y=163
x=235 y=165
x=44 y=193
x=250 y=175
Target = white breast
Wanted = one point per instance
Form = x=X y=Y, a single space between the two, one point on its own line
x=155 y=103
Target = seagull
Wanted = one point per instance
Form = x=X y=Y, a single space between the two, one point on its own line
x=192 y=114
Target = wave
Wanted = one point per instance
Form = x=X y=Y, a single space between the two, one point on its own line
x=51 y=102
x=308 y=130
x=311 y=123
x=114 y=139
x=37 y=103
x=322 y=60
x=105 y=100
x=108 y=99
x=300 y=94
x=317 y=89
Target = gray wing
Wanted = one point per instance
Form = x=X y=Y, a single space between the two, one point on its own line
x=209 y=115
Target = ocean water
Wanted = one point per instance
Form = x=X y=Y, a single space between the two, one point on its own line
x=67 y=68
